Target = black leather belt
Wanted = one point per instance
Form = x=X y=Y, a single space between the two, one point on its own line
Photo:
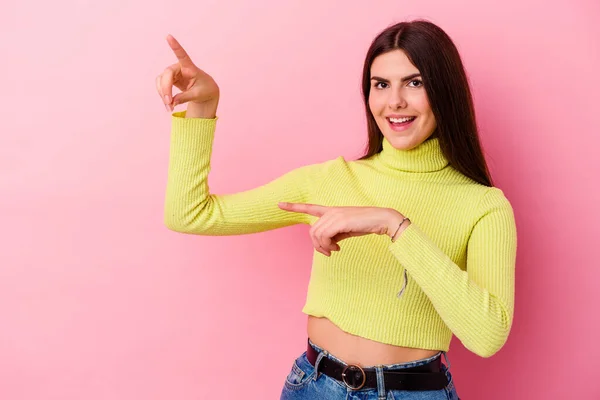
x=423 y=377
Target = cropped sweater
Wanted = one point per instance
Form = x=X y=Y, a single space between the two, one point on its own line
x=450 y=272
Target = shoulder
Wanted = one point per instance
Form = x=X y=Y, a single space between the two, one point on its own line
x=495 y=208
x=494 y=197
x=479 y=195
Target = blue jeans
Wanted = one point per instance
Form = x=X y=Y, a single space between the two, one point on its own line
x=303 y=383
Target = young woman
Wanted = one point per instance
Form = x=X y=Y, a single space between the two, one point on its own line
x=413 y=243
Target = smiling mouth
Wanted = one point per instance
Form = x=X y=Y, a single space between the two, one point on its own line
x=400 y=121
x=400 y=124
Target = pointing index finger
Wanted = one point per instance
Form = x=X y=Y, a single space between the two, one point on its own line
x=180 y=53
x=311 y=209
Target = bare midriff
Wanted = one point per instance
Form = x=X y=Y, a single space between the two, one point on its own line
x=357 y=350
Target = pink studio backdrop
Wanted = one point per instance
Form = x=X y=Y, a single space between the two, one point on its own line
x=98 y=300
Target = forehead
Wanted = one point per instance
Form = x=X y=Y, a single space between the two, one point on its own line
x=393 y=64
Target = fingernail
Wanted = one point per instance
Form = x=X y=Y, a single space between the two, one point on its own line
x=167 y=99
x=167 y=107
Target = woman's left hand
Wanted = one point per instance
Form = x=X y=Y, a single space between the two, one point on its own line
x=338 y=223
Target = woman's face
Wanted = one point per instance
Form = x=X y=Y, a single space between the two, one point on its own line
x=398 y=101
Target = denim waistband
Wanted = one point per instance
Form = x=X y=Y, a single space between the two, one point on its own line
x=409 y=364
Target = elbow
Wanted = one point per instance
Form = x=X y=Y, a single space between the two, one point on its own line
x=192 y=219
x=486 y=349
x=178 y=222
x=487 y=352
x=490 y=341
x=172 y=218
x=174 y=224
x=493 y=334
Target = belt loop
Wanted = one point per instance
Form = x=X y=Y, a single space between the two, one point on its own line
x=381 y=395
x=447 y=360
x=317 y=362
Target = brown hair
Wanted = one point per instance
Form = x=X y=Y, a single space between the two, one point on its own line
x=434 y=54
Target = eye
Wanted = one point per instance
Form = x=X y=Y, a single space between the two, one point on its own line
x=418 y=81
x=379 y=83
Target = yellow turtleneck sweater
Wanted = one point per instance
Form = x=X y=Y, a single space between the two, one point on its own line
x=450 y=272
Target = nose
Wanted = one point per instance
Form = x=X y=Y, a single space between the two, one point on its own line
x=396 y=100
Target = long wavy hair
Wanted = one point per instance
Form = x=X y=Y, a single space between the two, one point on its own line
x=434 y=54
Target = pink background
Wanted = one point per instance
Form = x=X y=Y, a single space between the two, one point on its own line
x=98 y=300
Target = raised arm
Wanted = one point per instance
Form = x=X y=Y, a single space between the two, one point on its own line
x=191 y=208
x=189 y=205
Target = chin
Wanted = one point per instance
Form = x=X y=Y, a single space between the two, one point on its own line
x=405 y=142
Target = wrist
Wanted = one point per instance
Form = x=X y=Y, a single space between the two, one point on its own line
x=397 y=224
x=392 y=222
x=207 y=109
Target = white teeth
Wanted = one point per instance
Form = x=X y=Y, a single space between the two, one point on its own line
x=400 y=120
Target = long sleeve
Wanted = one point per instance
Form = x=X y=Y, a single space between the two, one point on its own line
x=477 y=304
x=191 y=208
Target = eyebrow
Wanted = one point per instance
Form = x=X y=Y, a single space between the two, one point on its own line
x=406 y=78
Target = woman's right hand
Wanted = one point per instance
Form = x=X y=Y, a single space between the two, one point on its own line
x=198 y=89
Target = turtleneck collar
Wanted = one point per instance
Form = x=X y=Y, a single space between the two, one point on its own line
x=427 y=157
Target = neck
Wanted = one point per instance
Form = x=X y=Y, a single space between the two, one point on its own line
x=427 y=157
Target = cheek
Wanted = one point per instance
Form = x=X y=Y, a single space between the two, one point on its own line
x=429 y=121
x=375 y=104
x=421 y=103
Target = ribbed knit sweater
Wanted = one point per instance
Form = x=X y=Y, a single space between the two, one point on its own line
x=450 y=272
